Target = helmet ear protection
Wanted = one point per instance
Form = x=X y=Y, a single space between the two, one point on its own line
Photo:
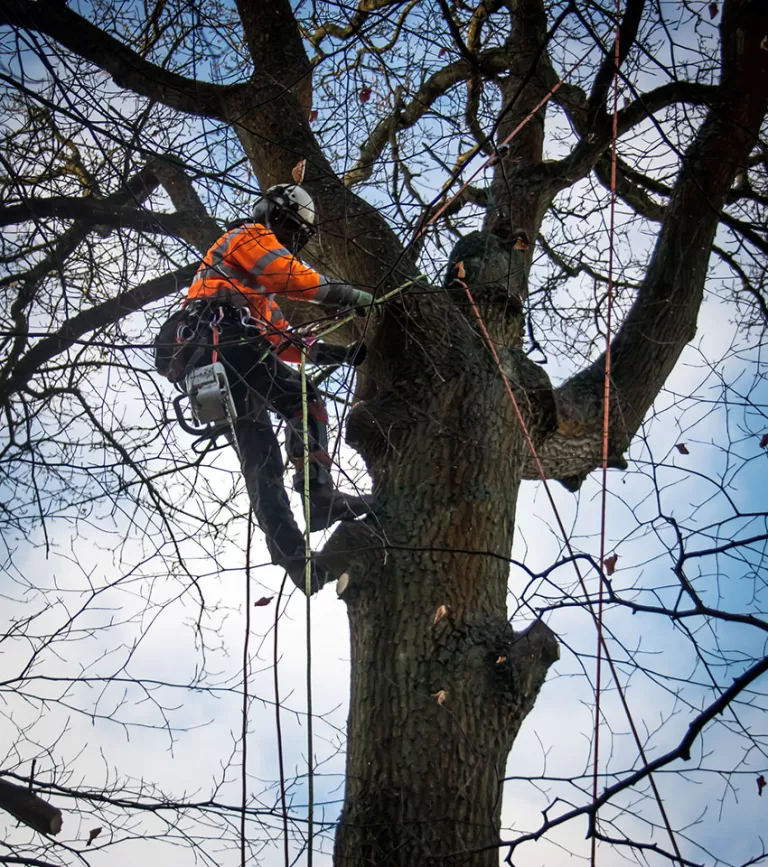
x=289 y=211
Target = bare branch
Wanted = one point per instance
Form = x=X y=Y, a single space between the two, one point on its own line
x=663 y=317
x=197 y=227
x=94 y=211
x=561 y=174
x=106 y=313
x=127 y=68
x=274 y=42
x=630 y=22
x=438 y=84
x=358 y=19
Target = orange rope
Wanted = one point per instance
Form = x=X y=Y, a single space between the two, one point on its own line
x=598 y=618
x=602 y=646
x=216 y=328
x=569 y=547
x=491 y=159
x=606 y=423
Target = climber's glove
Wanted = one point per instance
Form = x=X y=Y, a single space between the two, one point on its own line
x=343 y=295
x=362 y=302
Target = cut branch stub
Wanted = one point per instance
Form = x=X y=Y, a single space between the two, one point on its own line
x=30 y=809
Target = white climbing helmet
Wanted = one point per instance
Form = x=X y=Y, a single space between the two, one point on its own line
x=289 y=211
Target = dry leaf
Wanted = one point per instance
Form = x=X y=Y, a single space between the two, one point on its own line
x=501 y=659
x=682 y=448
x=610 y=564
x=298 y=172
x=712 y=10
x=365 y=94
x=764 y=441
x=760 y=785
x=439 y=614
x=460 y=270
x=313 y=115
x=265 y=600
x=440 y=695
x=522 y=241
x=443 y=51
x=342 y=583
x=92 y=835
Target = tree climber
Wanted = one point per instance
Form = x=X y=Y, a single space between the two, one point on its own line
x=230 y=314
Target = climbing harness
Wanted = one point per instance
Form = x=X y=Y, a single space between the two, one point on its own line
x=204 y=408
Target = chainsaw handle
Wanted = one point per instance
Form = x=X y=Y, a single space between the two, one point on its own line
x=209 y=442
x=185 y=425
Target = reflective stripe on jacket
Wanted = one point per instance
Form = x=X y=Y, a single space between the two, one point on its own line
x=246 y=267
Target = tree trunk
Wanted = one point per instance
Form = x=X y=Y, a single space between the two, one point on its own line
x=440 y=681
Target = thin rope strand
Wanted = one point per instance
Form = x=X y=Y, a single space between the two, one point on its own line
x=606 y=427
x=569 y=547
x=279 y=727
x=308 y=594
x=244 y=732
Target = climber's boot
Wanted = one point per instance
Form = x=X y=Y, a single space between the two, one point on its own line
x=327 y=504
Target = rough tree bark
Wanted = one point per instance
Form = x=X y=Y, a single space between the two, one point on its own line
x=442 y=683
x=30 y=809
x=436 y=706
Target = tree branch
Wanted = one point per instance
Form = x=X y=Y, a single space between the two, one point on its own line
x=662 y=319
x=274 y=42
x=630 y=22
x=28 y=808
x=453 y=29
x=127 y=68
x=647 y=104
x=272 y=124
x=95 y=211
x=632 y=194
x=681 y=751
x=759 y=301
x=137 y=189
x=438 y=84
x=747 y=231
x=361 y=15
x=563 y=173
x=197 y=226
x=106 y=313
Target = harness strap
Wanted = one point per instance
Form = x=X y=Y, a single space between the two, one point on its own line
x=216 y=319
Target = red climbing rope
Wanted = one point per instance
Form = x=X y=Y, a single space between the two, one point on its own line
x=604 y=485
x=597 y=616
x=606 y=426
x=492 y=159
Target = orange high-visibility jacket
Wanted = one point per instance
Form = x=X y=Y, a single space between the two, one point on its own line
x=247 y=267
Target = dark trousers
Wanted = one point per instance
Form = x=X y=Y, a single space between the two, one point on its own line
x=261 y=383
